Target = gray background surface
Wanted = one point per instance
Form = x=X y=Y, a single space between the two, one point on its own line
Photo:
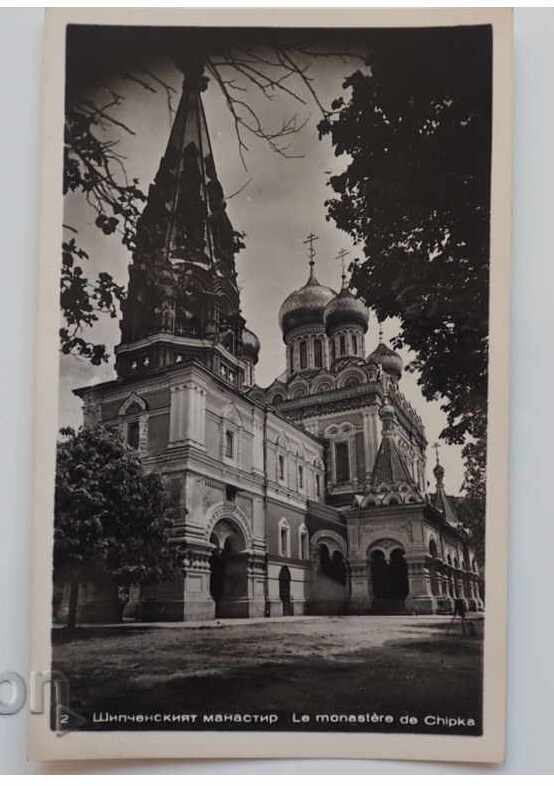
x=531 y=619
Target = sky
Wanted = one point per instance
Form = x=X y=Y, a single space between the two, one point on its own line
x=280 y=200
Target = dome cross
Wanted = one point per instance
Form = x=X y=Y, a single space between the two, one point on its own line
x=310 y=240
x=343 y=253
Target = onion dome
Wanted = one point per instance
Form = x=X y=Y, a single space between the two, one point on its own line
x=250 y=345
x=438 y=472
x=441 y=500
x=305 y=306
x=388 y=359
x=345 y=309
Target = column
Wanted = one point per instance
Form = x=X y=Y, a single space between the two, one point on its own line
x=421 y=598
x=310 y=352
x=258 y=445
x=176 y=414
x=367 y=447
x=187 y=414
x=444 y=604
x=197 y=421
x=361 y=595
x=198 y=603
x=371 y=437
x=256 y=571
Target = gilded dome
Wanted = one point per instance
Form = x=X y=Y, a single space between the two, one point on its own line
x=305 y=306
x=345 y=308
x=250 y=344
x=390 y=361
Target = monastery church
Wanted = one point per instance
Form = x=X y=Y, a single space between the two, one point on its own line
x=305 y=497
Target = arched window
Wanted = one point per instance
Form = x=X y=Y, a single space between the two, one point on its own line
x=281 y=465
x=303 y=543
x=354 y=344
x=229 y=444
x=284 y=540
x=132 y=410
x=342 y=342
x=318 y=353
x=299 y=391
x=277 y=400
x=317 y=486
x=303 y=354
x=332 y=351
x=433 y=548
x=133 y=434
x=342 y=462
x=300 y=477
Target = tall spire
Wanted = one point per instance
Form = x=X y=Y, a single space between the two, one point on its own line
x=390 y=467
x=438 y=470
x=441 y=500
x=183 y=282
x=185 y=217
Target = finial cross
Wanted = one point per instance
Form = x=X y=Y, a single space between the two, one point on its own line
x=343 y=253
x=311 y=238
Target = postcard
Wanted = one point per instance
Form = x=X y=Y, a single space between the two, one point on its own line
x=270 y=493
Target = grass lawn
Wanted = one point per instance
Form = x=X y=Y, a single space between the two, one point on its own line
x=376 y=665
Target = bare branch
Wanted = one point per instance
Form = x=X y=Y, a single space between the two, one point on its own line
x=239 y=190
x=168 y=91
x=107 y=117
x=302 y=73
x=139 y=81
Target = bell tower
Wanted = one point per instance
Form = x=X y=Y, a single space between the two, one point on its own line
x=183 y=299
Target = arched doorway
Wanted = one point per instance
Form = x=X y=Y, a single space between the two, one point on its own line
x=388 y=576
x=329 y=580
x=379 y=574
x=229 y=570
x=284 y=592
x=398 y=573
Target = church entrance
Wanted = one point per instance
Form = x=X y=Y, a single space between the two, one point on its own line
x=388 y=575
x=329 y=585
x=284 y=592
x=229 y=571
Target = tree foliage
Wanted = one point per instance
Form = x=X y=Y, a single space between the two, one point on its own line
x=108 y=511
x=471 y=506
x=415 y=196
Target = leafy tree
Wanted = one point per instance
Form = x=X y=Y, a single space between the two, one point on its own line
x=108 y=511
x=415 y=196
x=471 y=506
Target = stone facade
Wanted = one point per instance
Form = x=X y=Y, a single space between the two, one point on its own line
x=305 y=497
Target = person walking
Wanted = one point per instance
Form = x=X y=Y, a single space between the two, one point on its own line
x=459 y=611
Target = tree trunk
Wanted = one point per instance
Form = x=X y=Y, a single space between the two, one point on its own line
x=73 y=600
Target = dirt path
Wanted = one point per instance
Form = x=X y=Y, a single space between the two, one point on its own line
x=375 y=664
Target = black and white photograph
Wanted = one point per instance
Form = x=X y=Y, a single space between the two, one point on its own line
x=269 y=511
